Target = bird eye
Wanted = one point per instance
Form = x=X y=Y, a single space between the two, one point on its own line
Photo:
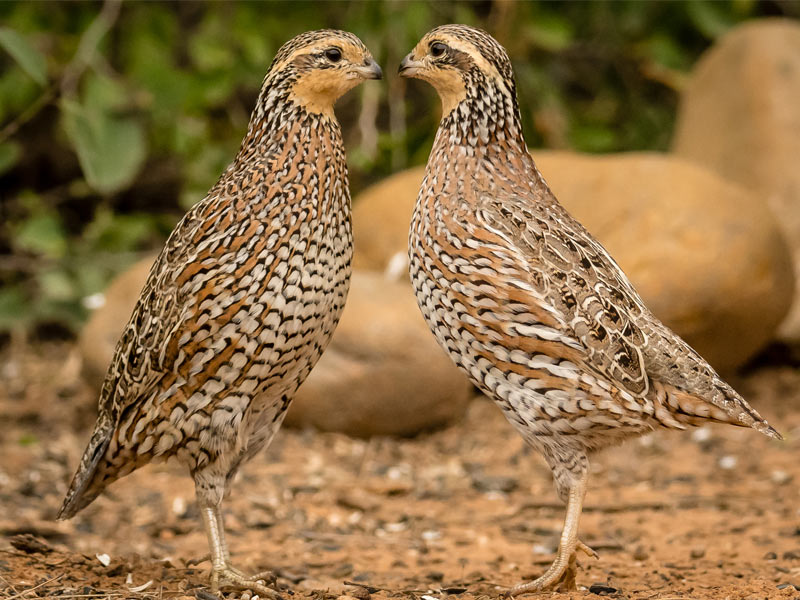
x=437 y=49
x=333 y=54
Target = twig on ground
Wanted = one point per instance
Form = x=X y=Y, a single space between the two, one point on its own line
x=36 y=587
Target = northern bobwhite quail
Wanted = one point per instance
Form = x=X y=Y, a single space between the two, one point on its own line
x=243 y=299
x=527 y=302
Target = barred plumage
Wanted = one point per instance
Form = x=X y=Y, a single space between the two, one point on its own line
x=527 y=302
x=243 y=299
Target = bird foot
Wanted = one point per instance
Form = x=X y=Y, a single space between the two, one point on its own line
x=586 y=550
x=231 y=578
x=560 y=576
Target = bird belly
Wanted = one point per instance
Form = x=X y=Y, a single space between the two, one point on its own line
x=543 y=391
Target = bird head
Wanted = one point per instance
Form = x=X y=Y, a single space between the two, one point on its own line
x=460 y=62
x=317 y=67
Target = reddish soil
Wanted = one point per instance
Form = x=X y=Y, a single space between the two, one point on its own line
x=464 y=512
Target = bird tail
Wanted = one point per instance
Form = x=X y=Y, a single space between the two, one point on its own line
x=725 y=406
x=77 y=496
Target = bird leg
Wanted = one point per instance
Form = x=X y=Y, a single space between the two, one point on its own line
x=222 y=574
x=562 y=571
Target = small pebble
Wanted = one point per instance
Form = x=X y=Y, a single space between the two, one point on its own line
x=179 y=506
x=494 y=483
x=357 y=592
x=780 y=477
x=728 y=462
x=770 y=556
x=698 y=552
x=602 y=590
x=640 y=553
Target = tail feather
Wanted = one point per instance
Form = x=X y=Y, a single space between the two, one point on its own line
x=726 y=406
x=77 y=497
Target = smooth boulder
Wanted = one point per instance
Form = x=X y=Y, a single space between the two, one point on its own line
x=740 y=116
x=707 y=256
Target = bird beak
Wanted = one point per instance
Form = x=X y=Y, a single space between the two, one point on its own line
x=370 y=70
x=409 y=67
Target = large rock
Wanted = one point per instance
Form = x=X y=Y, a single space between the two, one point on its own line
x=706 y=255
x=382 y=374
x=740 y=116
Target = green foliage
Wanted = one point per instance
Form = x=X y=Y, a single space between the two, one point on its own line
x=114 y=119
x=27 y=57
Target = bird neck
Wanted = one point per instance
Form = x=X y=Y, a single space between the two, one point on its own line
x=488 y=118
x=480 y=143
x=279 y=114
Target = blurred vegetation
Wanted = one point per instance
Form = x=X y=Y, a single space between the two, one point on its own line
x=115 y=118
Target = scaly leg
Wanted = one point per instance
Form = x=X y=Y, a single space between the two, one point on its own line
x=563 y=568
x=222 y=574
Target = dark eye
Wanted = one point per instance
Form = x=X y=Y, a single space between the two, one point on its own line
x=437 y=48
x=333 y=54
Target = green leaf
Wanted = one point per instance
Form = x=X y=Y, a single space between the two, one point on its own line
x=43 y=234
x=711 y=18
x=28 y=58
x=56 y=285
x=110 y=149
x=551 y=32
x=103 y=93
x=110 y=232
x=13 y=308
x=9 y=155
x=592 y=138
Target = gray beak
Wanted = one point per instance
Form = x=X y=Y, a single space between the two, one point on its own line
x=370 y=70
x=409 y=66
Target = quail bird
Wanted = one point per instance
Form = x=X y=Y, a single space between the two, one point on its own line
x=242 y=300
x=527 y=303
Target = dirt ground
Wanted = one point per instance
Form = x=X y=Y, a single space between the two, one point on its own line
x=464 y=512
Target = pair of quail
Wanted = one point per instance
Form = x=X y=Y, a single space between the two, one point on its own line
x=248 y=290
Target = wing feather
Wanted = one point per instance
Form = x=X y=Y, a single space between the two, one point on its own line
x=597 y=305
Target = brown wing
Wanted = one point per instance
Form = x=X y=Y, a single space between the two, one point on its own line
x=167 y=308
x=573 y=275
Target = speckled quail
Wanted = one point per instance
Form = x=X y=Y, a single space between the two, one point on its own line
x=243 y=299
x=527 y=302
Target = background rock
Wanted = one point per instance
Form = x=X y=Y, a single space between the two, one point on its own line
x=382 y=374
x=740 y=116
x=706 y=255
